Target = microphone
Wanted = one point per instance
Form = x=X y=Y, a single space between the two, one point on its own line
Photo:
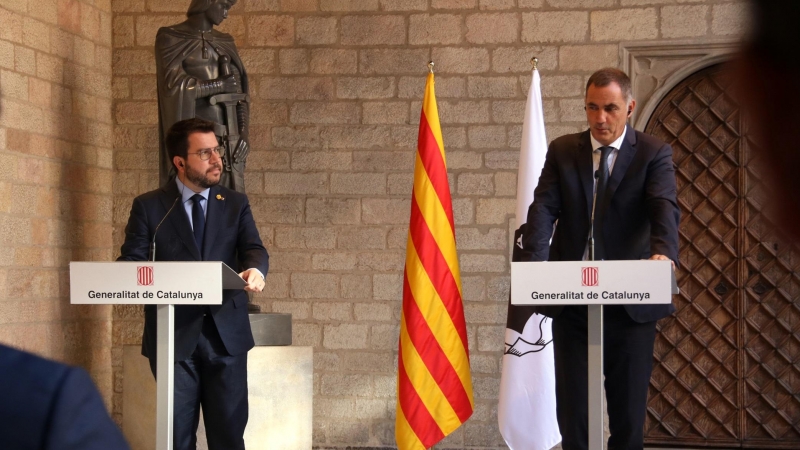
x=152 y=256
x=591 y=224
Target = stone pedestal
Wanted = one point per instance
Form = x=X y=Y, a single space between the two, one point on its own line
x=271 y=328
x=280 y=384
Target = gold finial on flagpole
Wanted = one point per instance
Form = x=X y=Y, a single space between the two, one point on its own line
x=535 y=63
x=430 y=66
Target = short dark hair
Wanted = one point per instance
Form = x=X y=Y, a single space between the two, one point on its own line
x=608 y=75
x=177 y=140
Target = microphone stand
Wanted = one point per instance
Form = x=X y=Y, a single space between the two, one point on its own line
x=591 y=223
x=152 y=255
x=595 y=351
x=165 y=359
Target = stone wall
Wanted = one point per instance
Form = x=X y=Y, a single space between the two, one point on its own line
x=56 y=146
x=336 y=88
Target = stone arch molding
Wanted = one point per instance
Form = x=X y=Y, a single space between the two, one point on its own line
x=656 y=67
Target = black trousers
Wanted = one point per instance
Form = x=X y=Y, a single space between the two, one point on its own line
x=217 y=381
x=627 y=365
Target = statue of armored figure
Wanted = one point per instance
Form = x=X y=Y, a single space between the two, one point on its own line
x=201 y=75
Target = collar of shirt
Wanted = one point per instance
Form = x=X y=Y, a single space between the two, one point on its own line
x=186 y=198
x=616 y=145
x=612 y=157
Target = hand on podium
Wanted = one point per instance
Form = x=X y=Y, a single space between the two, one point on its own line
x=254 y=279
x=663 y=258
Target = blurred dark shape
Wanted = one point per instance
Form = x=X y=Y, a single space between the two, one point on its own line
x=46 y=405
x=768 y=74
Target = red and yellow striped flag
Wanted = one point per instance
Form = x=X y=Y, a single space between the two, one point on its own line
x=434 y=385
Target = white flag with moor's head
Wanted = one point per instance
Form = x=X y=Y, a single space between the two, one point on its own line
x=526 y=410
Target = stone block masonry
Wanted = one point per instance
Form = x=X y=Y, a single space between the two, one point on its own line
x=337 y=88
x=56 y=140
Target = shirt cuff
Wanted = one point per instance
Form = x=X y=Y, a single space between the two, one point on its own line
x=259 y=272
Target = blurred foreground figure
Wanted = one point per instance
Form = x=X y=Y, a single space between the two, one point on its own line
x=768 y=72
x=45 y=405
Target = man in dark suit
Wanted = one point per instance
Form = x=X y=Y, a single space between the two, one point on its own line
x=209 y=223
x=636 y=217
x=51 y=406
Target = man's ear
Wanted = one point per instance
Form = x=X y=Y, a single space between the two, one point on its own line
x=631 y=106
x=179 y=163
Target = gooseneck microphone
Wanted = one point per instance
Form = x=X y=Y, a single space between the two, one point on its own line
x=591 y=224
x=152 y=256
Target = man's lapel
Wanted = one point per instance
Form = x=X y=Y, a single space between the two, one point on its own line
x=585 y=169
x=624 y=158
x=214 y=217
x=177 y=218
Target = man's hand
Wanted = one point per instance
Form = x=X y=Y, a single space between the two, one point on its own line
x=663 y=258
x=255 y=282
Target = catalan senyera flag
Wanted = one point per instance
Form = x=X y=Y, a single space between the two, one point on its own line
x=434 y=384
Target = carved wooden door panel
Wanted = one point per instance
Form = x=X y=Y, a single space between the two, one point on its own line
x=727 y=364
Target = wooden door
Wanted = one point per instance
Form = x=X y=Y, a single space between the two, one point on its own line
x=727 y=364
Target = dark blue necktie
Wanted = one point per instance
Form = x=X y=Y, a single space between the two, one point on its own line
x=198 y=220
x=602 y=187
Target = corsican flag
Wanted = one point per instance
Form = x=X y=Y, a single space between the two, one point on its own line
x=527 y=408
x=434 y=384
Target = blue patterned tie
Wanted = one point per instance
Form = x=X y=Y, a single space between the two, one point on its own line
x=602 y=187
x=198 y=221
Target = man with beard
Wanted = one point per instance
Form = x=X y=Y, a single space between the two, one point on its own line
x=200 y=74
x=209 y=223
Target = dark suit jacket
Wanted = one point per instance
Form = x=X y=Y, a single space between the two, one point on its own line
x=51 y=406
x=230 y=236
x=641 y=210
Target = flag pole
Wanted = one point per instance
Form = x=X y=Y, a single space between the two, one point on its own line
x=526 y=409
x=430 y=67
x=434 y=385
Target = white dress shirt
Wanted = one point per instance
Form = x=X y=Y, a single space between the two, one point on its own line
x=188 y=203
x=612 y=158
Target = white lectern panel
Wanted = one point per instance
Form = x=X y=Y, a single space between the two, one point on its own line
x=149 y=282
x=591 y=282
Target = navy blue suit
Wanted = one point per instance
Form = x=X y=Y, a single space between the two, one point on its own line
x=209 y=341
x=641 y=210
x=45 y=405
x=641 y=218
